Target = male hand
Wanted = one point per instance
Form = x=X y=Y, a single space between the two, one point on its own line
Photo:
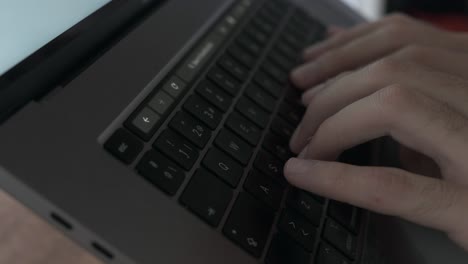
x=402 y=78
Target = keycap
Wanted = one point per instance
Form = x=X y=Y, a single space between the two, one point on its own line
x=161 y=102
x=223 y=166
x=341 y=238
x=263 y=25
x=177 y=148
x=214 y=95
x=124 y=146
x=293 y=115
x=242 y=56
x=293 y=39
x=224 y=80
x=270 y=166
x=293 y=96
x=283 y=250
x=244 y=128
x=305 y=205
x=298 y=228
x=275 y=72
x=207 y=196
x=268 y=84
x=253 y=112
x=193 y=130
x=174 y=86
x=261 y=97
x=234 y=146
x=277 y=146
x=234 y=68
x=328 y=255
x=248 y=44
x=203 y=111
x=161 y=172
x=282 y=61
x=249 y=224
x=344 y=214
x=264 y=188
x=282 y=128
x=257 y=35
x=286 y=50
x=144 y=123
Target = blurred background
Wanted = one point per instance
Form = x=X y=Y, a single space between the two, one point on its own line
x=450 y=14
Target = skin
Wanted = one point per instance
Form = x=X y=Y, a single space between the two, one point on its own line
x=397 y=77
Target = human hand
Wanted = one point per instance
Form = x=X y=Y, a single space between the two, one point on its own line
x=416 y=93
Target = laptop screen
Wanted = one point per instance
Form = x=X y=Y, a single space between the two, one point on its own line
x=28 y=25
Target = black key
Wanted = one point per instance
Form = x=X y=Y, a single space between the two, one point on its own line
x=341 y=238
x=192 y=129
x=282 y=61
x=306 y=205
x=234 y=146
x=204 y=111
x=344 y=214
x=282 y=128
x=299 y=229
x=161 y=103
x=177 y=148
x=124 y=146
x=249 y=45
x=253 y=112
x=263 y=25
x=207 y=196
x=329 y=255
x=293 y=96
x=244 y=128
x=161 y=172
x=283 y=250
x=214 y=95
x=277 y=147
x=174 y=86
x=223 y=166
x=249 y=224
x=224 y=80
x=275 y=72
x=293 y=40
x=261 y=97
x=264 y=188
x=242 y=56
x=286 y=50
x=257 y=35
x=270 y=166
x=234 y=68
x=268 y=84
x=291 y=114
x=143 y=123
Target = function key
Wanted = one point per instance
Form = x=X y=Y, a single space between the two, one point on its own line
x=234 y=68
x=224 y=167
x=174 y=86
x=328 y=255
x=249 y=224
x=261 y=97
x=192 y=129
x=253 y=112
x=144 y=123
x=214 y=95
x=264 y=188
x=124 y=146
x=161 y=102
x=207 y=197
x=244 y=128
x=177 y=148
x=234 y=146
x=270 y=166
x=224 y=80
x=161 y=172
x=283 y=250
x=306 y=205
x=204 y=111
x=299 y=229
x=339 y=237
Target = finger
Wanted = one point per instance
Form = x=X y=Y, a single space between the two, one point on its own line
x=412 y=118
x=352 y=87
x=345 y=36
x=333 y=30
x=423 y=200
x=310 y=93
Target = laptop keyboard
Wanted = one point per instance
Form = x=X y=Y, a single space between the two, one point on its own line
x=214 y=134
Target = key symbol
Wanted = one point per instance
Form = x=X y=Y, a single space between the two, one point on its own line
x=223 y=166
x=175 y=86
x=265 y=189
x=234 y=146
x=123 y=148
x=273 y=168
x=184 y=153
x=252 y=242
x=306 y=205
x=146 y=120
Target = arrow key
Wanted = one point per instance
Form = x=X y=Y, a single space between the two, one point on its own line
x=299 y=229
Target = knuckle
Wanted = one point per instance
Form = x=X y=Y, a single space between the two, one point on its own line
x=436 y=196
x=382 y=70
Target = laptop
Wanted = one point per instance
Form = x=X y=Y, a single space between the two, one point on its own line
x=156 y=132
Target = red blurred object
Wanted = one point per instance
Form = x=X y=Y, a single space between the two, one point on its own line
x=454 y=22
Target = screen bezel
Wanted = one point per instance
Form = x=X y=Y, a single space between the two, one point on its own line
x=63 y=56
